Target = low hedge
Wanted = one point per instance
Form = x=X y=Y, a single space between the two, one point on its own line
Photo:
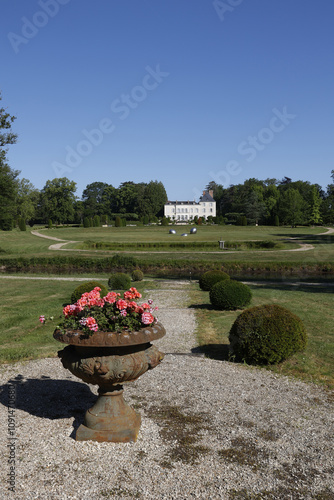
x=266 y=334
x=229 y=295
x=162 y=266
x=210 y=278
x=119 y=281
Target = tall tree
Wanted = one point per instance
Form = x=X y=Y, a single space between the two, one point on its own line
x=255 y=207
x=8 y=177
x=153 y=198
x=328 y=203
x=292 y=207
x=127 y=198
x=27 y=200
x=57 y=200
x=314 y=211
x=94 y=199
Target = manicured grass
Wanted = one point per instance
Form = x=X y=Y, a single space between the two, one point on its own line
x=23 y=244
x=313 y=304
x=161 y=233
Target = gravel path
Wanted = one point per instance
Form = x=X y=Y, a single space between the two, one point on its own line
x=210 y=429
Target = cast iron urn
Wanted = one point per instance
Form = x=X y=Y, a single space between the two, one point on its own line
x=110 y=359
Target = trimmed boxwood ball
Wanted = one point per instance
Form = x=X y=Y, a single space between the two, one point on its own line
x=210 y=278
x=87 y=287
x=119 y=281
x=266 y=334
x=229 y=295
x=137 y=275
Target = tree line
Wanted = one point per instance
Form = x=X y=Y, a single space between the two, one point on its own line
x=274 y=202
x=269 y=201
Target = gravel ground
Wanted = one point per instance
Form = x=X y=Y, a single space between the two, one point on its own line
x=210 y=429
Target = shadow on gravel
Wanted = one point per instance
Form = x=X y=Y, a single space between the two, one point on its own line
x=219 y=352
x=49 y=398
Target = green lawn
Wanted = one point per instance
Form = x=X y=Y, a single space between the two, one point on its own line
x=23 y=244
x=161 y=233
x=313 y=304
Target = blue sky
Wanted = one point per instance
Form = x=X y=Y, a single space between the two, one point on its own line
x=179 y=91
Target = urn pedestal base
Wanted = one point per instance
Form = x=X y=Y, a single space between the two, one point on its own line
x=110 y=419
x=109 y=359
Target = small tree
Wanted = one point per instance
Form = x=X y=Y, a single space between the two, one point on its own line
x=118 y=221
x=50 y=224
x=96 y=221
x=86 y=222
x=22 y=224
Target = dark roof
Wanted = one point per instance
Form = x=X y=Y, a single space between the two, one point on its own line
x=206 y=197
x=181 y=203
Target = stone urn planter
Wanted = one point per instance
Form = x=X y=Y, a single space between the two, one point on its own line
x=110 y=359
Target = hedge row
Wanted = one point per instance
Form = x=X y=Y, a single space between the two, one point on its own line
x=164 y=267
x=208 y=245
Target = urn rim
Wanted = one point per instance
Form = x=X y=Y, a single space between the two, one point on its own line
x=111 y=339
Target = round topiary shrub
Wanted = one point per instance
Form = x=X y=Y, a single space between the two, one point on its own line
x=137 y=275
x=87 y=287
x=119 y=281
x=210 y=278
x=266 y=334
x=229 y=295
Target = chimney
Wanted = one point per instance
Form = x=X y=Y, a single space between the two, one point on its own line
x=211 y=193
x=203 y=193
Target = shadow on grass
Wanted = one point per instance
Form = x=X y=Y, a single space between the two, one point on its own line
x=48 y=398
x=310 y=238
x=219 y=352
x=209 y=307
x=296 y=287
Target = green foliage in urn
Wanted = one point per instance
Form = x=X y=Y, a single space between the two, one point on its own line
x=119 y=281
x=210 y=278
x=266 y=334
x=86 y=287
x=229 y=295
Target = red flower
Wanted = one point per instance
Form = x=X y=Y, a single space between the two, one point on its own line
x=147 y=318
x=111 y=297
x=121 y=304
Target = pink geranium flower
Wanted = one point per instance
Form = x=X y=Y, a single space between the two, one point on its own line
x=90 y=323
x=147 y=318
x=121 y=304
x=111 y=297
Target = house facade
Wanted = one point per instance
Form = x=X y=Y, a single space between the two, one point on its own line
x=187 y=210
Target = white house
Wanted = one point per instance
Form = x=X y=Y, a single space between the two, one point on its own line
x=187 y=210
